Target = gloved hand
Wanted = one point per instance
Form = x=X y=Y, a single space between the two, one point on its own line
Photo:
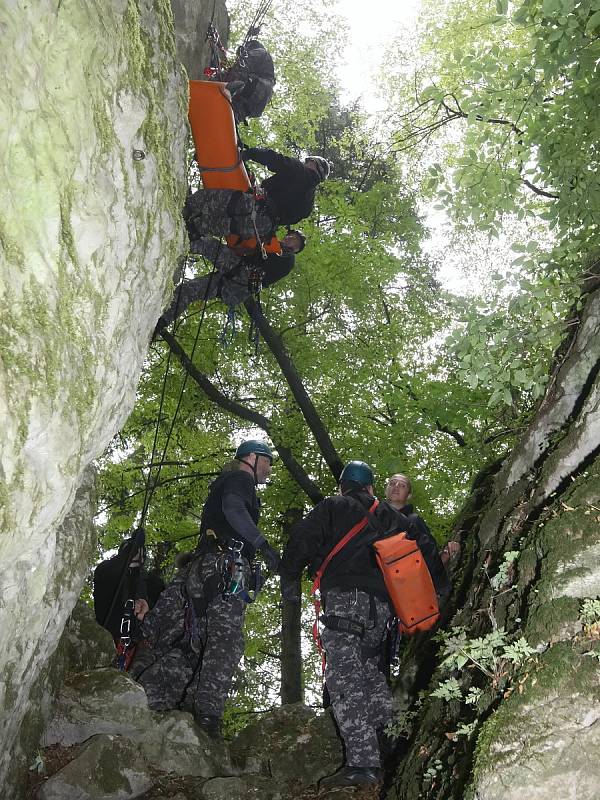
x=270 y=556
x=247 y=153
x=290 y=590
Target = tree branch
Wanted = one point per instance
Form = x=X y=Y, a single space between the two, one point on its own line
x=238 y=410
x=541 y=192
x=309 y=412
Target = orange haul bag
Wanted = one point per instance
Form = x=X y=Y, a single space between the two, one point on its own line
x=408 y=582
x=215 y=137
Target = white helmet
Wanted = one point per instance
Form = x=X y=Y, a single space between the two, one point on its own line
x=322 y=166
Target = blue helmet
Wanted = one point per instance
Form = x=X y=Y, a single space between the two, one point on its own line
x=254 y=446
x=359 y=472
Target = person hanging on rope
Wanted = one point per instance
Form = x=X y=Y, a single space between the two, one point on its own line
x=196 y=628
x=238 y=273
x=357 y=615
x=250 y=80
x=284 y=198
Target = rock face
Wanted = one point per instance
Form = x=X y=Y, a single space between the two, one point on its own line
x=535 y=727
x=93 y=134
x=190 y=32
x=115 y=747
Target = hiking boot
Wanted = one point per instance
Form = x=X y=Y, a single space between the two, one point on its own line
x=210 y=724
x=351 y=776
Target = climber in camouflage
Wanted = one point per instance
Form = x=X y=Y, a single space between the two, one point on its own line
x=357 y=613
x=232 y=279
x=286 y=197
x=194 y=636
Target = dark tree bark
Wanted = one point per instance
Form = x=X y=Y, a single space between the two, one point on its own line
x=233 y=407
x=313 y=420
x=292 y=689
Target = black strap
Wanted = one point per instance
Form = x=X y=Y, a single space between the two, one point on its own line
x=335 y=623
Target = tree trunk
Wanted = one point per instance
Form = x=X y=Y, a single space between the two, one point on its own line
x=292 y=689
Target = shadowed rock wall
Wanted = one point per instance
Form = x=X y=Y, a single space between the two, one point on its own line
x=535 y=731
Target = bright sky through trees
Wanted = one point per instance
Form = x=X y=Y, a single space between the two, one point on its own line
x=371 y=28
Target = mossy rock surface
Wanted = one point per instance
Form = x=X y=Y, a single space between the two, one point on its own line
x=291 y=743
x=107 y=768
x=543 y=743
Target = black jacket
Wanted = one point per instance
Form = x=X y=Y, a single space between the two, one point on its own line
x=114 y=584
x=231 y=511
x=290 y=190
x=354 y=567
x=275 y=267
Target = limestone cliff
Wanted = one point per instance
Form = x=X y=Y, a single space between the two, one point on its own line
x=93 y=135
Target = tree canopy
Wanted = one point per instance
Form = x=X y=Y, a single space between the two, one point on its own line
x=363 y=352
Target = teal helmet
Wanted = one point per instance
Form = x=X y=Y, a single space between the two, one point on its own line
x=254 y=446
x=359 y=472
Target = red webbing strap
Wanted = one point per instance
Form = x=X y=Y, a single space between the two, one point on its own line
x=317 y=581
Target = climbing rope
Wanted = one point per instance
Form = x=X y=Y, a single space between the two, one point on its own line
x=259 y=18
x=151 y=484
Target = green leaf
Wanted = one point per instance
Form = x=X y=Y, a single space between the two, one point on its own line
x=550 y=7
x=592 y=23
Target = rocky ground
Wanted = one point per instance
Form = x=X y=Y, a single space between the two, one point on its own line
x=102 y=742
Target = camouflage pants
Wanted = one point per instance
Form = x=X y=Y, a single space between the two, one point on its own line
x=164 y=664
x=218 y=636
x=360 y=696
x=219 y=212
x=190 y=659
x=229 y=280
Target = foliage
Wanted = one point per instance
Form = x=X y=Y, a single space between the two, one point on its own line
x=590 y=611
x=502 y=576
x=402 y=373
x=487 y=652
x=473 y=696
x=448 y=690
x=497 y=113
x=432 y=772
x=401 y=724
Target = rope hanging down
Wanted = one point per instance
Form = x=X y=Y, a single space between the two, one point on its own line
x=259 y=18
x=150 y=482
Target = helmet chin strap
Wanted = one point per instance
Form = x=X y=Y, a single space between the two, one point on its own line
x=253 y=467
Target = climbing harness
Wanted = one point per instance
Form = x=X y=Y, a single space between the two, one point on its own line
x=218 y=53
x=125 y=652
x=233 y=570
x=246 y=247
x=259 y=196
